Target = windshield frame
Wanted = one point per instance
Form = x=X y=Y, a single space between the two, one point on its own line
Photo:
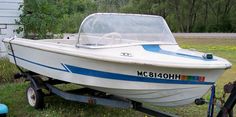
x=78 y=44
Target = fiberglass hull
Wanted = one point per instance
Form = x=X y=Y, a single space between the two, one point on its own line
x=163 y=86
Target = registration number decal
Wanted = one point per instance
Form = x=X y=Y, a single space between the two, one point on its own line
x=170 y=76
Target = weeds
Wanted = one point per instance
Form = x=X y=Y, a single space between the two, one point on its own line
x=7 y=71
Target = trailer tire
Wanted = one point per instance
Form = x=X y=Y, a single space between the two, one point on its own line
x=35 y=97
x=3 y=115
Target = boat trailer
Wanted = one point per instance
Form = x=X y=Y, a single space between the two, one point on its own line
x=35 y=97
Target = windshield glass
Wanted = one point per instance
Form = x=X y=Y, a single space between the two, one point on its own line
x=112 y=28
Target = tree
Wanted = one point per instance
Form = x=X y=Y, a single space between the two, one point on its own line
x=40 y=17
x=46 y=17
x=43 y=18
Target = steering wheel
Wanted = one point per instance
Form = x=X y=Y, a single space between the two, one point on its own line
x=112 y=35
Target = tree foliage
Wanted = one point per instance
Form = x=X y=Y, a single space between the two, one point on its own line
x=39 y=17
x=46 y=17
x=43 y=18
x=190 y=15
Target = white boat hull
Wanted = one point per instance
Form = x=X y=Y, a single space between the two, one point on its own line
x=117 y=78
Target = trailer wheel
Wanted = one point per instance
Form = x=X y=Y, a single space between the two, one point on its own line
x=35 y=97
x=3 y=115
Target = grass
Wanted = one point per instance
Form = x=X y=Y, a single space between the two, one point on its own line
x=13 y=93
x=7 y=71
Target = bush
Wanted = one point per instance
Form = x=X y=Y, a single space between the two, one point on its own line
x=43 y=18
x=71 y=23
x=39 y=18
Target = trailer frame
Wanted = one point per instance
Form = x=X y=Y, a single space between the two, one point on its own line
x=83 y=95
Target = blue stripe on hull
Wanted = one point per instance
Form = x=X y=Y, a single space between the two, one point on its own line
x=157 y=49
x=54 y=68
x=117 y=76
x=114 y=76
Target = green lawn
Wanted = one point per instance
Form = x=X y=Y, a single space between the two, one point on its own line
x=13 y=93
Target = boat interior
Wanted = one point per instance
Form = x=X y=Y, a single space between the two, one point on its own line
x=98 y=40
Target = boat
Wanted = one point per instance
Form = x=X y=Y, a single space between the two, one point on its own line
x=129 y=55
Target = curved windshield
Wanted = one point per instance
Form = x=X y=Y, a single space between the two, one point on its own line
x=102 y=29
